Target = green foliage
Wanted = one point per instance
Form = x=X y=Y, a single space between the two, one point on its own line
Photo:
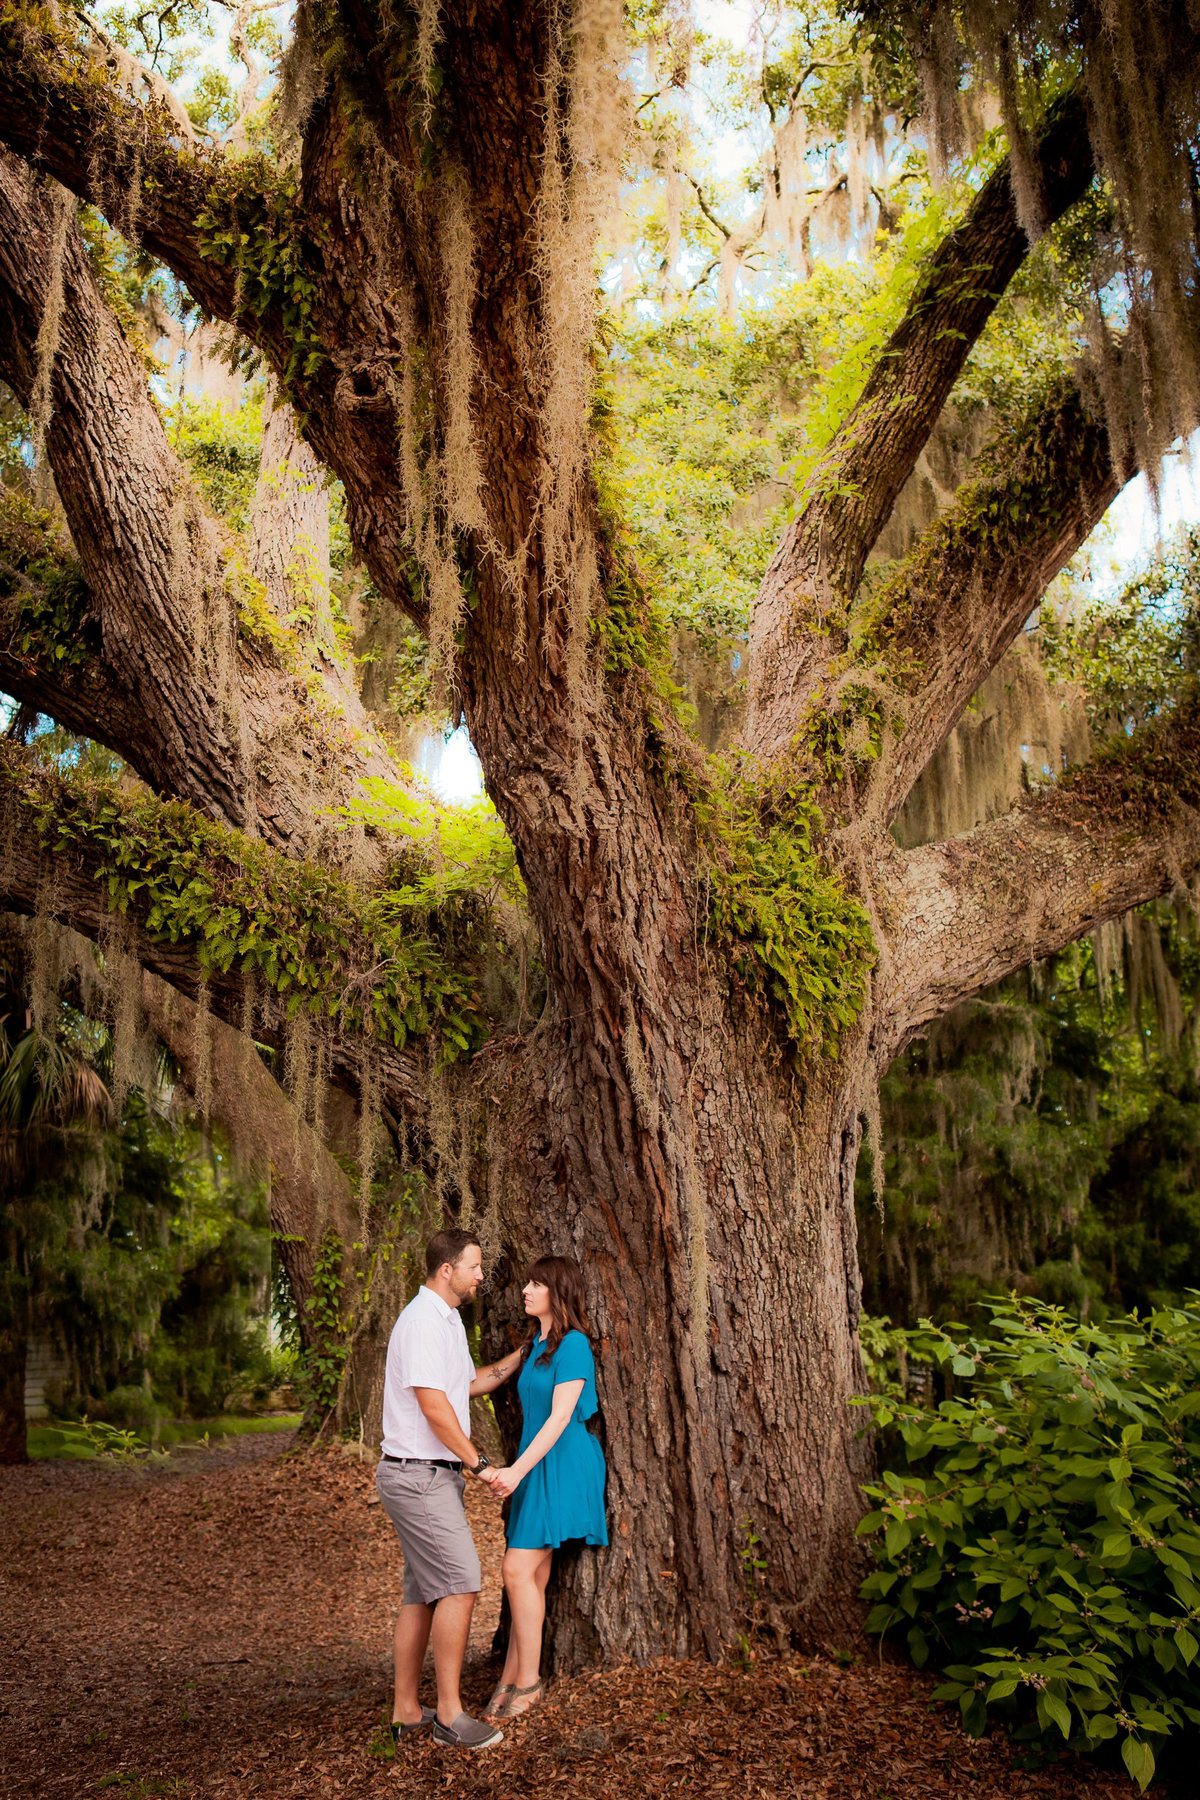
x=1046 y=1136
x=222 y=446
x=703 y=414
x=251 y=223
x=318 y=942
x=126 y=1241
x=1037 y=1532
x=43 y=599
x=116 y=1443
x=462 y=850
x=83 y=1440
x=212 y=1342
x=1130 y=651
x=329 y=1321
x=796 y=932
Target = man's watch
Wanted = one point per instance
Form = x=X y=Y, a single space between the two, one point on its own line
x=485 y=1462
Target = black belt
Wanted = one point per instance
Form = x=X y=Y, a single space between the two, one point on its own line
x=426 y=1462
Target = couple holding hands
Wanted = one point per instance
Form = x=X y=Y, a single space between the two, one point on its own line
x=556 y=1483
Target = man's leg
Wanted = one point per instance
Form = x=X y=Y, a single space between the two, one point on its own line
x=451 y=1629
x=412 y=1639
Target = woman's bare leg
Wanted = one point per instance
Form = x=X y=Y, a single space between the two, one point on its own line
x=526 y=1573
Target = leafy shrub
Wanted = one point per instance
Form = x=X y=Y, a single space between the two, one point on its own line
x=129 y=1407
x=1041 y=1542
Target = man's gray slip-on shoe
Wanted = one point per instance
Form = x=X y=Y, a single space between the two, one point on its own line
x=401 y=1730
x=467 y=1733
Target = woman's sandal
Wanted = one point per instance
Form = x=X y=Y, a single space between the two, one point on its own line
x=511 y=1711
x=497 y=1706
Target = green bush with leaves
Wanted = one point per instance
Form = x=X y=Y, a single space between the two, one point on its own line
x=1037 y=1535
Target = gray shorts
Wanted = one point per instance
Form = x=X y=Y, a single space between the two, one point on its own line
x=425 y=1504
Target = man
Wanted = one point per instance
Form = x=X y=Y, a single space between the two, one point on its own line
x=426 y=1447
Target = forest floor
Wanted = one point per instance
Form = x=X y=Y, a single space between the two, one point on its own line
x=219 y=1625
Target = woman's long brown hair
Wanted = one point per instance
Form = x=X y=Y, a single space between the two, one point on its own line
x=568 y=1309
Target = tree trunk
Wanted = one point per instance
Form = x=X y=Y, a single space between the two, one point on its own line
x=12 y=1394
x=718 y=1248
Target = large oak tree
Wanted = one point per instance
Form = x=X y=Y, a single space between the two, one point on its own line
x=732 y=952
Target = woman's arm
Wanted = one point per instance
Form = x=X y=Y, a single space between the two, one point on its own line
x=494 y=1375
x=562 y=1405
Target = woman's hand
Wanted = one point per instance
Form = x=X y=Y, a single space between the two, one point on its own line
x=505 y=1482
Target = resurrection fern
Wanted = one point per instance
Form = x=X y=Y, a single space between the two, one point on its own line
x=796 y=933
x=251 y=224
x=369 y=963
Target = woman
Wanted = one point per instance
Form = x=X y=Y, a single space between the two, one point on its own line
x=557 y=1480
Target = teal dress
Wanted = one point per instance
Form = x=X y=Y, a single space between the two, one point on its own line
x=561 y=1500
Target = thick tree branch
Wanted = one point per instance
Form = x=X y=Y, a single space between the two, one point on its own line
x=794 y=632
x=962 y=596
x=181 y=642
x=50 y=643
x=1122 y=830
x=63 y=109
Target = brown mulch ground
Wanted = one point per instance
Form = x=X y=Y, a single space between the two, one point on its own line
x=221 y=1627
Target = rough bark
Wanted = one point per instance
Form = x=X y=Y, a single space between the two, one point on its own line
x=968 y=588
x=1123 y=829
x=719 y=1254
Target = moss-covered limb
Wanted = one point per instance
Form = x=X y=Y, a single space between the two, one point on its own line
x=379 y=976
x=186 y=640
x=1124 y=829
x=64 y=109
x=251 y=224
x=375 y=965
x=795 y=625
x=928 y=636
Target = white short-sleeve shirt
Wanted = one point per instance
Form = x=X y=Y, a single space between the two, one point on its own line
x=427 y=1348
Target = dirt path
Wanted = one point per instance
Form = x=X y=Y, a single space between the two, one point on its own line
x=221 y=1628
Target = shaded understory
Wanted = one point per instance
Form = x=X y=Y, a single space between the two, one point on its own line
x=220 y=1627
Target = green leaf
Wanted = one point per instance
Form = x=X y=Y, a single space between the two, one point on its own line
x=1138 y=1758
x=1053 y=1711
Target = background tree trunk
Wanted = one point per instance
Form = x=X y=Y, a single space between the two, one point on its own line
x=12 y=1394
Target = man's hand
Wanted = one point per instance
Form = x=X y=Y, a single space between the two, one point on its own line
x=489 y=1476
x=504 y=1482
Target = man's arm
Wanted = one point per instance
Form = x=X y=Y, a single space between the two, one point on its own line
x=494 y=1375
x=443 y=1422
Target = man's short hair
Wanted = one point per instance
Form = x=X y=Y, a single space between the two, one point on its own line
x=446 y=1247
